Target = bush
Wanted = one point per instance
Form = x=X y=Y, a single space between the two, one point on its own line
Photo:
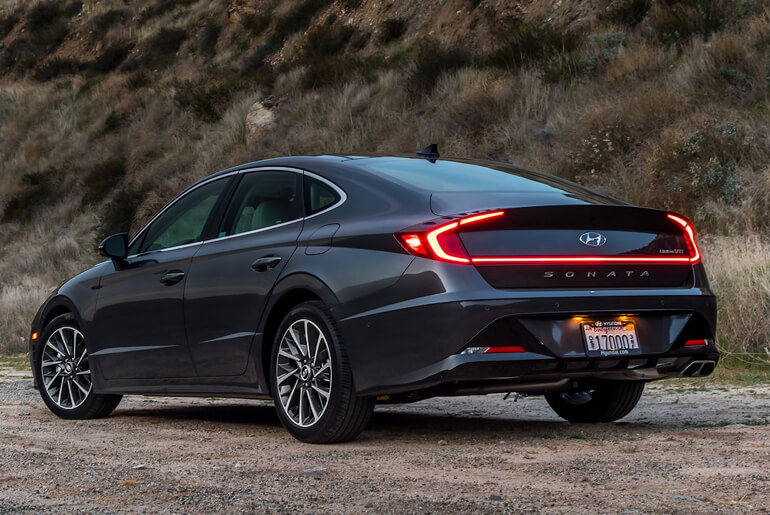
x=162 y=7
x=56 y=67
x=529 y=42
x=161 y=49
x=208 y=37
x=207 y=102
x=296 y=19
x=325 y=41
x=119 y=212
x=103 y=178
x=678 y=21
x=37 y=192
x=7 y=23
x=256 y=23
x=335 y=70
x=628 y=12
x=103 y=22
x=112 y=57
x=391 y=30
x=430 y=61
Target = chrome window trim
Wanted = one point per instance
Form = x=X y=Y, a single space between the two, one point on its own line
x=190 y=189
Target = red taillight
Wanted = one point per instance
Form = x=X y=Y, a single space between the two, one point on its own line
x=443 y=243
x=495 y=350
x=695 y=343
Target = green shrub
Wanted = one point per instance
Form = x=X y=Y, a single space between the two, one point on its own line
x=430 y=61
x=102 y=179
x=112 y=57
x=256 y=23
x=391 y=30
x=56 y=67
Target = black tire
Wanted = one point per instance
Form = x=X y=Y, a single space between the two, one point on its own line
x=609 y=401
x=89 y=405
x=345 y=414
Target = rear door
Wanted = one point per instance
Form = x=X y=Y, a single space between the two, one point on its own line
x=232 y=274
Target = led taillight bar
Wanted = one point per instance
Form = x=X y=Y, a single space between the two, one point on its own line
x=443 y=243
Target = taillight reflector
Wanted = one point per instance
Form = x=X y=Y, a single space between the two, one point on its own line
x=695 y=343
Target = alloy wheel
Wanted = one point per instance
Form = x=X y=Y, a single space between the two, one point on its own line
x=65 y=371
x=304 y=372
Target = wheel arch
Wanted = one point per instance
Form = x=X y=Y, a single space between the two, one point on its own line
x=55 y=306
x=289 y=292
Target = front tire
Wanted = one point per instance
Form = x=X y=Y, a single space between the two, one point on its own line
x=64 y=373
x=608 y=402
x=311 y=380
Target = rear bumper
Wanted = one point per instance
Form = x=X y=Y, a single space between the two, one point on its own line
x=415 y=345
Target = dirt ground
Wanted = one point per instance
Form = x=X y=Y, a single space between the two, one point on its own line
x=685 y=449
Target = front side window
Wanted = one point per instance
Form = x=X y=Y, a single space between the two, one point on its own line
x=262 y=200
x=183 y=222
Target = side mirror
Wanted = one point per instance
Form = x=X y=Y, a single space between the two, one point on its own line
x=115 y=246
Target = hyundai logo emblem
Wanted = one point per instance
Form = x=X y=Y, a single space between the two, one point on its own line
x=592 y=239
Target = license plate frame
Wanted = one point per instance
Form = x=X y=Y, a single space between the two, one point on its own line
x=610 y=338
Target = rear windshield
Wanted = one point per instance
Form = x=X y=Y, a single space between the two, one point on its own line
x=447 y=176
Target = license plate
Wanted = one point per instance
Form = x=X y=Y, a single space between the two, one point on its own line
x=610 y=338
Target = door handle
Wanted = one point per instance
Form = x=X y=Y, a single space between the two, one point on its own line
x=172 y=277
x=264 y=264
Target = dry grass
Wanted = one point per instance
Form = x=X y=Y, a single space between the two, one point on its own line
x=674 y=123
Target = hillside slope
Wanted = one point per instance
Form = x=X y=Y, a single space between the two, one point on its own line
x=107 y=108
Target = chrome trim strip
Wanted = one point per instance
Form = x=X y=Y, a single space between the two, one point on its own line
x=340 y=192
x=121 y=350
x=229 y=337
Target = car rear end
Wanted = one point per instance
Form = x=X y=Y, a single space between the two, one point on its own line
x=551 y=295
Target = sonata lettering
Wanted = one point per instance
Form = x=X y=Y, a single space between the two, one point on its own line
x=592 y=273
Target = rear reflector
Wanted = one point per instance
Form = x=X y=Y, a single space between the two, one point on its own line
x=443 y=244
x=492 y=350
x=695 y=343
x=34 y=336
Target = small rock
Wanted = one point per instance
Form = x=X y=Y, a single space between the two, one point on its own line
x=442 y=442
x=312 y=470
x=495 y=498
x=238 y=464
x=139 y=467
x=259 y=120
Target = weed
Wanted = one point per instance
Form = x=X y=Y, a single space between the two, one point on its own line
x=162 y=7
x=325 y=41
x=207 y=103
x=678 y=21
x=208 y=37
x=8 y=22
x=161 y=49
x=527 y=42
x=119 y=212
x=298 y=18
x=37 y=192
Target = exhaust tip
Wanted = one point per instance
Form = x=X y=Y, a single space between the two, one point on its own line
x=698 y=369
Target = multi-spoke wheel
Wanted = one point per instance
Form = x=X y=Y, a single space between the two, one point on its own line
x=304 y=370
x=311 y=379
x=64 y=373
x=64 y=368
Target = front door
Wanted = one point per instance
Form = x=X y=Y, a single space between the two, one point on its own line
x=139 y=317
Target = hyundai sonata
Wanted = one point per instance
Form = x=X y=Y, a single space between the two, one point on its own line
x=332 y=283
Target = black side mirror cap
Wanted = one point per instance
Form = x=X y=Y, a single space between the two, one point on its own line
x=115 y=246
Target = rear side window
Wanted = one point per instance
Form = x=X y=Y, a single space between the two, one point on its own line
x=262 y=200
x=318 y=196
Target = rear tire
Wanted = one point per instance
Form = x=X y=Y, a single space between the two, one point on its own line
x=64 y=373
x=315 y=400
x=609 y=401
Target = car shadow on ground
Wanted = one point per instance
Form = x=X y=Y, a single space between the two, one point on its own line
x=393 y=425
